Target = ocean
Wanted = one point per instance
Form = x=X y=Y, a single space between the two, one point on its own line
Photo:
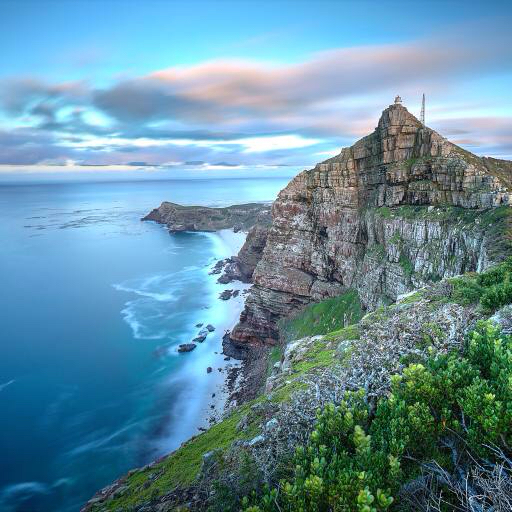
x=93 y=303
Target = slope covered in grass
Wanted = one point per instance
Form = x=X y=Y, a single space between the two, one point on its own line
x=323 y=317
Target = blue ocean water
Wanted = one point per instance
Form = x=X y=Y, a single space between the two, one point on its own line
x=93 y=303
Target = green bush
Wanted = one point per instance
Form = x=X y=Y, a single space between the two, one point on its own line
x=492 y=289
x=356 y=461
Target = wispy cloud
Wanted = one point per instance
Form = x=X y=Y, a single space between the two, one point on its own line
x=235 y=110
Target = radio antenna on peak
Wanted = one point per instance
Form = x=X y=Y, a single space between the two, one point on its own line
x=422 y=115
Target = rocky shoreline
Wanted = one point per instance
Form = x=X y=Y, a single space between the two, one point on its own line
x=241 y=381
x=240 y=217
x=401 y=210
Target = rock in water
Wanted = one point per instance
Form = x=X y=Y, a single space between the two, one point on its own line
x=226 y=294
x=210 y=328
x=187 y=347
x=361 y=220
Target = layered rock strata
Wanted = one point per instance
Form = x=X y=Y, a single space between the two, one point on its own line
x=401 y=207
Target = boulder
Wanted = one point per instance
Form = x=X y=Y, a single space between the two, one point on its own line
x=187 y=347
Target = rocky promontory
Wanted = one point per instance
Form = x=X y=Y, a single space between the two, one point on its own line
x=360 y=260
x=400 y=208
x=240 y=217
x=254 y=218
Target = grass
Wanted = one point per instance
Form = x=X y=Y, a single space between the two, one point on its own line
x=319 y=356
x=323 y=317
x=274 y=356
x=182 y=467
x=351 y=332
x=412 y=298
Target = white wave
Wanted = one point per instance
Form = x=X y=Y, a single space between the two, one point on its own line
x=5 y=384
x=131 y=316
x=13 y=495
x=149 y=315
x=159 y=296
x=101 y=442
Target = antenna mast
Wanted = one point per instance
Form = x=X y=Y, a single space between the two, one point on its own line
x=422 y=115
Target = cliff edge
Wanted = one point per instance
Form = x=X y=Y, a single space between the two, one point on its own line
x=400 y=208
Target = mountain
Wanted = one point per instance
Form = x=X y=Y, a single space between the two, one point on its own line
x=400 y=208
x=381 y=314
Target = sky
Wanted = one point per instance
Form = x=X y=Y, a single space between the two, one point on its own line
x=156 y=87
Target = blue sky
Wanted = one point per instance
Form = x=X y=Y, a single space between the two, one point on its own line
x=124 y=85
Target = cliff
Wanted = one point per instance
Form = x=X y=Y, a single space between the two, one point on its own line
x=400 y=208
x=242 y=266
x=254 y=443
x=403 y=209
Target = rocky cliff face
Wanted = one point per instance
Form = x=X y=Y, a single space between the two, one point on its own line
x=401 y=207
x=242 y=266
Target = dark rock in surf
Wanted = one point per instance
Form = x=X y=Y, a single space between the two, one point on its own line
x=186 y=347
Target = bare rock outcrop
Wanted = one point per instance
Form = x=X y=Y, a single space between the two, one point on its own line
x=242 y=266
x=400 y=208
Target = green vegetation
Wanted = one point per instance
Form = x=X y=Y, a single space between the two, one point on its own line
x=410 y=162
x=406 y=265
x=412 y=298
x=452 y=213
x=323 y=317
x=501 y=169
x=458 y=405
x=182 y=467
x=318 y=356
x=396 y=239
x=274 y=356
x=491 y=289
x=351 y=332
x=376 y=251
x=361 y=453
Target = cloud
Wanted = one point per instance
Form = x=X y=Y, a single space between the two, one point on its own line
x=486 y=135
x=19 y=94
x=233 y=93
x=247 y=111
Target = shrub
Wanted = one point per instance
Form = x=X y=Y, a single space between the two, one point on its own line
x=492 y=289
x=447 y=412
